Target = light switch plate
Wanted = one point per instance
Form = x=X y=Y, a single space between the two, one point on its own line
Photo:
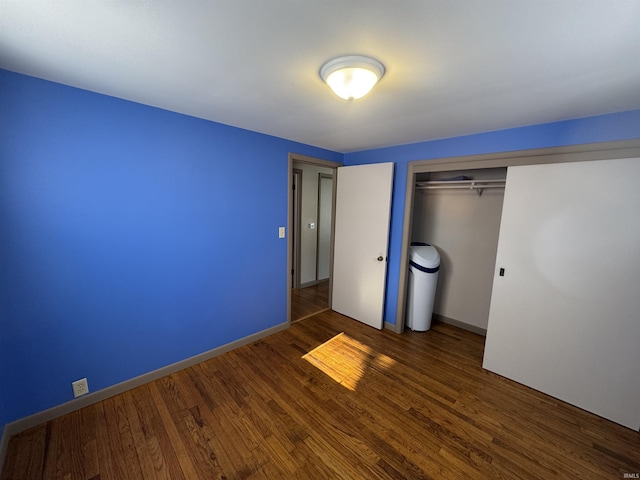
x=280 y=232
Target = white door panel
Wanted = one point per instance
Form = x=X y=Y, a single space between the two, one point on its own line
x=363 y=211
x=564 y=317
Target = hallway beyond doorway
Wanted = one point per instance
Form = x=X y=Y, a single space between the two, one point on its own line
x=309 y=301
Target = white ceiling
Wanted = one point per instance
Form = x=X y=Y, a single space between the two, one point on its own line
x=454 y=67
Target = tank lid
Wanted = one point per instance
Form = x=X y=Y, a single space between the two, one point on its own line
x=425 y=255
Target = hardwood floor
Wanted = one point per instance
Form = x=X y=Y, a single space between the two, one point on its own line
x=330 y=398
x=309 y=301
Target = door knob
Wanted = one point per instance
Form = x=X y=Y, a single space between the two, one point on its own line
x=380 y=258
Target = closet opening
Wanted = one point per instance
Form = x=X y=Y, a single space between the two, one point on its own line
x=458 y=212
x=491 y=166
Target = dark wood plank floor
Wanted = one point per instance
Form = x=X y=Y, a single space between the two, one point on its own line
x=309 y=301
x=330 y=398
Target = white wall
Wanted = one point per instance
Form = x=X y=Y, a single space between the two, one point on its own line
x=464 y=228
x=565 y=317
x=309 y=212
x=325 y=214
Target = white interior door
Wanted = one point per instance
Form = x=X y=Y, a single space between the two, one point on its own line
x=564 y=317
x=363 y=211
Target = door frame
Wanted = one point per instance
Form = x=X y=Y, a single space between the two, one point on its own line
x=571 y=153
x=295 y=229
x=299 y=158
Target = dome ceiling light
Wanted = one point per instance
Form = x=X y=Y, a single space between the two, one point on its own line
x=353 y=76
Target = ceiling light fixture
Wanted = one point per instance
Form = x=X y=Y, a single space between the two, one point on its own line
x=353 y=76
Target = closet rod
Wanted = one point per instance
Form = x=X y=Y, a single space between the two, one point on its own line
x=457 y=187
x=461 y=182
x=477 y=185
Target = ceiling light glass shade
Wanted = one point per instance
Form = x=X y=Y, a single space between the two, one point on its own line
x=352 y=77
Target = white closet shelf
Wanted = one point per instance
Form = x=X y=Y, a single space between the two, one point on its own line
x=477 y=185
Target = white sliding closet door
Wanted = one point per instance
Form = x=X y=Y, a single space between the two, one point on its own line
x=565 y=317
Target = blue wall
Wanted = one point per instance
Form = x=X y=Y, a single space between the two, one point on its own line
x=604 y=128
x=130 y=238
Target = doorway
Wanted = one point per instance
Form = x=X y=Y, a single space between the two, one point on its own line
x=310 y=243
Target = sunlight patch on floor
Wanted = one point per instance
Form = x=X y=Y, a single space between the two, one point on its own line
x=347 y=361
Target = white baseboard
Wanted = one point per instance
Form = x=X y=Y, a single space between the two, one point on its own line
x=457 y=323
x=22 y=424
x=390 y=326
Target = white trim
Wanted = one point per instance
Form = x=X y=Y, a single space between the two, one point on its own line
x=457 y=323
x=25 y=423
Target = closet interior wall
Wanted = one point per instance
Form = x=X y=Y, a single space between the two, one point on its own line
x=464 y=226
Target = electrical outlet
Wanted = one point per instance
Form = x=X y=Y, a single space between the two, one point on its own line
x=80 y=387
